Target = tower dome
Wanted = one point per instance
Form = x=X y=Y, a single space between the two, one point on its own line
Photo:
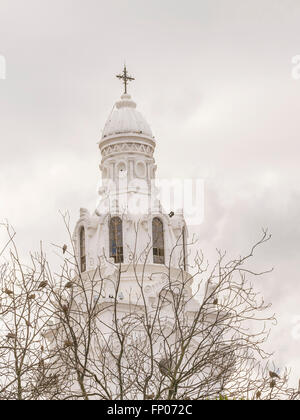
x=125 y=119
x=126 y=131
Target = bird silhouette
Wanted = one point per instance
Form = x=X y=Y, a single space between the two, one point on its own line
x=8 y=292
x=165 y=366
x=215 y=302
x=42 y=284
x=64 y=249
x=273 y=375
x=69 y=285
x=11 y=336
x=31 y=297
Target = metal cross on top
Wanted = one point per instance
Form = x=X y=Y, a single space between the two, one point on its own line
x=125 y=77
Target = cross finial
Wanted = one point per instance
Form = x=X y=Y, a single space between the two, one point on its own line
x=125 y=77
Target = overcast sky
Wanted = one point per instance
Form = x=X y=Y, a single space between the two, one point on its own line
x=213 y=79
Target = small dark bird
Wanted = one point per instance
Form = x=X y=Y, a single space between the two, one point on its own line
x=8 y=292
x=64 y=249
x=165 y=366
x=215 y=302
x=69 y=285
x=68 y=343
x=172 y=214
x=272 y=384
x=31 y=297
x=258 y=394
x=65 y=308
x=11 y=336
x=111 y=297
x=273 y=375
x=28 y=324
x=42 y=349
x=42 y=284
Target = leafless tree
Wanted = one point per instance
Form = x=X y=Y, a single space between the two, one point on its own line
x=26 y=366
x=123 y=332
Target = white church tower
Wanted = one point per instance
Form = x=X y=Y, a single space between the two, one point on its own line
x=133 y=288
x=129 y=223
x=131 y=306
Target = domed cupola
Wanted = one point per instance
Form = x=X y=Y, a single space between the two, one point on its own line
x=126 y=130
x=125 y=119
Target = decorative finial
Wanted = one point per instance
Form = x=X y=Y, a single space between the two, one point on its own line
x=125 y=77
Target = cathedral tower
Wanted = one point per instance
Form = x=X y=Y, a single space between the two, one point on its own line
x=129 y=221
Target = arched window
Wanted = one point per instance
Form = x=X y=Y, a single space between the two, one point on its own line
x=82 y=250
x=158 y=241
x=116 y=239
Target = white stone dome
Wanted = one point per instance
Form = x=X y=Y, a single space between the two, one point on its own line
x=126 y=119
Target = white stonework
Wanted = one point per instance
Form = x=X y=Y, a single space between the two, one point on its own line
x=128 y=190
x=129 y=280
x=128 y=171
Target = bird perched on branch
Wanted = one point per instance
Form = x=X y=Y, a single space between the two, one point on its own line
x=65 y=308
x=215 y=302
x=11 y=336
x=31 y=297
x=8 y=292
x=165 y=366
x=64 y=248
x=273 y=375
x=69 y=285
x=42 y=284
